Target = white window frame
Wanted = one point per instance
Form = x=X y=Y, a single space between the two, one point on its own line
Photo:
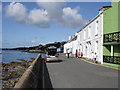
x=96 y=46
x=96 y=27
x=89 y=33
x=84 y=34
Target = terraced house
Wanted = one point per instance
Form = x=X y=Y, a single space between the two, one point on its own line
x=111 y=32
x=101 y=35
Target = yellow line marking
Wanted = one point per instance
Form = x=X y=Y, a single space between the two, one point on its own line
x=101 y=64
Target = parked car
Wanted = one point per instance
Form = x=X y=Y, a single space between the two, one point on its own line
x=52 y=54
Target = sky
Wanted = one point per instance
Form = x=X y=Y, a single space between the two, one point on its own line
x=34 y=23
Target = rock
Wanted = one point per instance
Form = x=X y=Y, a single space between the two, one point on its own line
x=12 y=72
x=6 y=69
x=5 y=77
x=15 y=63
x=3 y=64
x=32 y=59
x=22 y=60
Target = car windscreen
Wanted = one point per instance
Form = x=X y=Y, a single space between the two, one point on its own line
x=52 y=52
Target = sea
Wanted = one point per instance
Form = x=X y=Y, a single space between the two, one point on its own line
x=8 y=56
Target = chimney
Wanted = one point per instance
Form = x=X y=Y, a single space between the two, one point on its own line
x=87 y=22
x=70 y=37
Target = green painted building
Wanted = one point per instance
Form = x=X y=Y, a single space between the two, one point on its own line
x=111 y=31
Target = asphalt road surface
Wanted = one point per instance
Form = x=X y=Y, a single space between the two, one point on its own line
x=75 y=73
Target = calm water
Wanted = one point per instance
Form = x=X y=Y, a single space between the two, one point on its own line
x=14 y=55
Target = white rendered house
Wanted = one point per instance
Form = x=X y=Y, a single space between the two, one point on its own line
x=89 y=39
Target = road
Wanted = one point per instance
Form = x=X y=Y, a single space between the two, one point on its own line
x=75 y=73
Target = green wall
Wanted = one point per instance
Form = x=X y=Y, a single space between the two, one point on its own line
x=106 y=50
x=111 y=23
x=116 y=50
x=119 y=16
x=110 y=19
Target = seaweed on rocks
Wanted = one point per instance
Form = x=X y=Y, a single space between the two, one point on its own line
x=11 y=72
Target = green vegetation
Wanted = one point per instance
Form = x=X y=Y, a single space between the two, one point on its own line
x=40 y=47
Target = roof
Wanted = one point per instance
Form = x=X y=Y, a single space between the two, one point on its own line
x=105 y=7
x=90 y=21
x=73 y=39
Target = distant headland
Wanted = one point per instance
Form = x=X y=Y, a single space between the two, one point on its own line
x=39 y=48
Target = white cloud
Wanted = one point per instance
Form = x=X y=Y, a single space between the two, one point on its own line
x=17 y=11
x=50 y=0
x=28 y=43
x=54 y=9
x=38 y=17
x=21 y=43
x=72 y=18
x=33 y=42
x=66 y=16
x=48 y=12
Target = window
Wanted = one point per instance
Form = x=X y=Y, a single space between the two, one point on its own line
x=89 y=33
x=84 y=34
x=79 y=37
x=96 y=46
x=96 y=27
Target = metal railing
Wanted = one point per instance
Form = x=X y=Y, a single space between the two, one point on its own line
x=111 y=59
x=111 y=37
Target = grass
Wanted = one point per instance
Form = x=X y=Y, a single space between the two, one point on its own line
x=112 y=65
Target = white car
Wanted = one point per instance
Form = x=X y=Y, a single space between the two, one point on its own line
x=52 y=54
x=52 y=58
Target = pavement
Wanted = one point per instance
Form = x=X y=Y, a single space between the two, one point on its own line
x=76 y=73
x=108 y=65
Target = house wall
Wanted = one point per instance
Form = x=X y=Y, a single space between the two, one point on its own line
x=91 y=38
x=110 y=17
x=116 y=50
x=118 y=28
x=107 y=50
x=119 y=16
x=111 y=23
x=66 y=46
x=75 y=46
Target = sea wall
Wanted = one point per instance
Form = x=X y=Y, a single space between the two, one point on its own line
x=32 y=77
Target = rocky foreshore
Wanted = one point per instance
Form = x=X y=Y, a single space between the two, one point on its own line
x=11 y=72
x=34 y=51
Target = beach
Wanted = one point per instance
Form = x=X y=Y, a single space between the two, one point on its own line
x=11 y=72
x=14 y=64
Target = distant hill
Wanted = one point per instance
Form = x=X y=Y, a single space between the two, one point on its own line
x=39 y=47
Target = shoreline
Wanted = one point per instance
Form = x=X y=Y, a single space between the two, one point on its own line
x=11 y=72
